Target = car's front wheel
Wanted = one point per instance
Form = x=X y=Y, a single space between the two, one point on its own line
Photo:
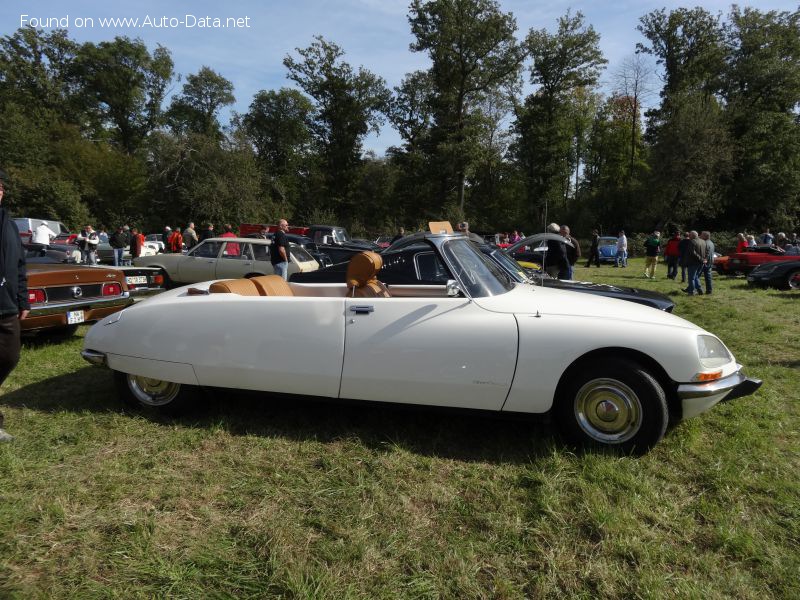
x=164 y=396
x=793 y=280
x=612 y=404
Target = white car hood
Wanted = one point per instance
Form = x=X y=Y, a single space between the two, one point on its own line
x=529 y=299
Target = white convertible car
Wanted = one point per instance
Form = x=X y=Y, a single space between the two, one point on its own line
x=610 y=372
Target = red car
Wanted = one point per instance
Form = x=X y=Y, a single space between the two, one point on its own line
x=750 y=258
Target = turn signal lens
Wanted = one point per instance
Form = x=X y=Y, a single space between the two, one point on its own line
x=112 y=289
x=36 y=296
x=708 y=376
x=158 y=279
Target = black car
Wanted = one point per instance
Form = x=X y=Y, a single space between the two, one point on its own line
x=784 y=275
x=416 y=263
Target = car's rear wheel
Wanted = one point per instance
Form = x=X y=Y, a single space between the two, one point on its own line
x=612 y=404
x=793 y=280
x=156 y=394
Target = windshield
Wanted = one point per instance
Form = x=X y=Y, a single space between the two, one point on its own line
x=478 y=274
x=509 y=265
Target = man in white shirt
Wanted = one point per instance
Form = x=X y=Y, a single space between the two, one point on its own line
x=43 y=234
x=621 y=259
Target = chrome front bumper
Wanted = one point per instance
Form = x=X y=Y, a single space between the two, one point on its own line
x=696 y=398
x=94 y=357
x=62 y=307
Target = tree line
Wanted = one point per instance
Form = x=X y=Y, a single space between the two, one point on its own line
x=507 y=129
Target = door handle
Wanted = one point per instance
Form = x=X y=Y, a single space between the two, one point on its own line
x=362 y=309
x=248 y=263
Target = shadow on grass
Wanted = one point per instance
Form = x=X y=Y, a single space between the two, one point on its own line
x=480 y=437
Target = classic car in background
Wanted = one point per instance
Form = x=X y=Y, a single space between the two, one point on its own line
x=63 y=296
x=749 y=259
x=412 y=262
x=784 y=275
x=27 y=226
x=613 y=374
x=304 y=242
x=141 y=281
x=217 y=258
x=607 y=249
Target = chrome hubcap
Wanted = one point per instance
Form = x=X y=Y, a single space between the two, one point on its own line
x=794 y=280
x=153 y=392
x=608 y=411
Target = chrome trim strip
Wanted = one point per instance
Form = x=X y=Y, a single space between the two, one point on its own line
x=710 y=388
x=60 y=307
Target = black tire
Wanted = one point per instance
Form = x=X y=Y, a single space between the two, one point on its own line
x=161 y=396
x=612 y=403
x=793 y=280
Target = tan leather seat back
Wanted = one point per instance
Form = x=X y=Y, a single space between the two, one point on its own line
x=272 y=285
x=362 y=280
x=243 y=287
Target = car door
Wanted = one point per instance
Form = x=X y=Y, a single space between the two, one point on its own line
x=436 y=351
x=200 y=263
x=237 y=263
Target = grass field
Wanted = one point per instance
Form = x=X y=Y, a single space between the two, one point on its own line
x=257 y=497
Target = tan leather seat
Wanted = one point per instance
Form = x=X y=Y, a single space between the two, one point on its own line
x=362 y=280
x=243 y=287
x=272 y=285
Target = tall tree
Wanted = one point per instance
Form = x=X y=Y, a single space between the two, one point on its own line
x=473 y=50
x=349 y=104
x=562 y=63
x=196 y=108
x=763 y=94
x=127 y=84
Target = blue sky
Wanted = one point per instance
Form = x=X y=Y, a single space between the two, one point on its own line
x=373 y=33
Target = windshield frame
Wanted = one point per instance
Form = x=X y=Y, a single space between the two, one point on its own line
x=483 y=277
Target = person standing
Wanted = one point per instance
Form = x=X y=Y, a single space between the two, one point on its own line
x=118 y=241
x=463 y=227
x=708 y=267
x=573 y=252
x=401 y=233
x=176 y=241
x=14 y=304
x=165 y=235
x=594 y=250
x=741 y=242
x=102 y=235
x=694 y=258
x=87 y=241
x=279 y=250
x=766 y=237
x=43 y=234
x=652 y=248
x=672 y=255
x=208 y=232
x=621 y=258
x=137 y=243
x=682 y=250
x=190 y=236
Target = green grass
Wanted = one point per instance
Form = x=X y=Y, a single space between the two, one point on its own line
x=253 y=496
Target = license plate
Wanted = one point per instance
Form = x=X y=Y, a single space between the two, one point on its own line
x=136 y=280
x=74 y=317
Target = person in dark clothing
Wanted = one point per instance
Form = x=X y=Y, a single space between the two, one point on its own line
x=594 y=252
x=555 y=259
x=682 y=249
x=208 y=232
x=573 y=252
x=14 y=305
x=279 y=250
x=694 y=259
x=400 y=235
x=119 y=240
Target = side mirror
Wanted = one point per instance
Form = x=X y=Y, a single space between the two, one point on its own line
x=453 y=289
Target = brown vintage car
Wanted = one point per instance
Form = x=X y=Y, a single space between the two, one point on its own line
x=63 y=296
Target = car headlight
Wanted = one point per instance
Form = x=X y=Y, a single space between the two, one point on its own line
x=712 y=352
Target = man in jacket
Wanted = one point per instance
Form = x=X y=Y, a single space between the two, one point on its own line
x=573 y=252
x=594 y=250
x=555 y=260
x=708 y=267
x=621 y=257
x=87 y=241
x=43 y=234
x=694 y=258
x=118 y=241
x=190 y=236
x=682 y=250
x=14 y=305
x=672 y=254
